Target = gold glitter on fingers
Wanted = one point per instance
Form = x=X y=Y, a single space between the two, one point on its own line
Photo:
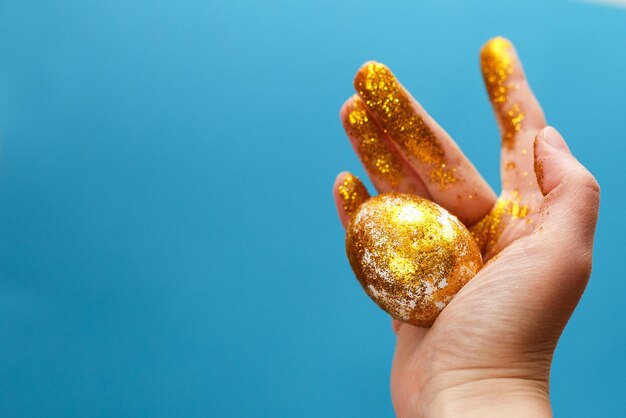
x=393 y=109
x=539 y=169
x=488 y=230
x=497 y=63
x=539 y=174
x=373 y=151
x=352 y=193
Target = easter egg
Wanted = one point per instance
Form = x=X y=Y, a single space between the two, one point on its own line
x=410 y=255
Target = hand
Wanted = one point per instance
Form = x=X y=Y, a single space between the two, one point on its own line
x=489 y=352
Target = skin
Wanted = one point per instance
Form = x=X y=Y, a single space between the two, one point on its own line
x=489 y=352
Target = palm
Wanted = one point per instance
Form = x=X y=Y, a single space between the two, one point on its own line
x=485 y=306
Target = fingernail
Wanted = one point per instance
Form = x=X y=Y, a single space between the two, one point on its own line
x=553 y=138
x=393 y=109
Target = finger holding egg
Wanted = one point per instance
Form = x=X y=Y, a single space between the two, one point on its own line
x=349 y=193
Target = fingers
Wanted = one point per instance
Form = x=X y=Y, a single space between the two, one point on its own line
x=517 y=111
x=349 y=193
x=571 y=195
x=448 y=176
x=387 y=170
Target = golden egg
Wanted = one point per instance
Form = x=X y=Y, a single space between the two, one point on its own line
x=410 y=255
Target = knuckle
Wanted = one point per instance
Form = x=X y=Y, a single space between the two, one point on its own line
x=592 y=185
x=588 y=183
x=585 y=191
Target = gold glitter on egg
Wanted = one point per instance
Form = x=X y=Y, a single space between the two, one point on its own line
x=387 y=100
x=352 y=193
x=410 y=255
x=373 y=151
x=497 y=65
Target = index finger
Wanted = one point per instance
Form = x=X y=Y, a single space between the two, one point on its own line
x=517 y=111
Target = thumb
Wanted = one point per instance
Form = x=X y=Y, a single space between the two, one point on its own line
x=563 y=236
x=571 y=193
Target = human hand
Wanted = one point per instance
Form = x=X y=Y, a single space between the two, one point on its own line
x=489 y=351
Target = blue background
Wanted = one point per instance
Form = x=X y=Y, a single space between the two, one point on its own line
x=168 y=241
